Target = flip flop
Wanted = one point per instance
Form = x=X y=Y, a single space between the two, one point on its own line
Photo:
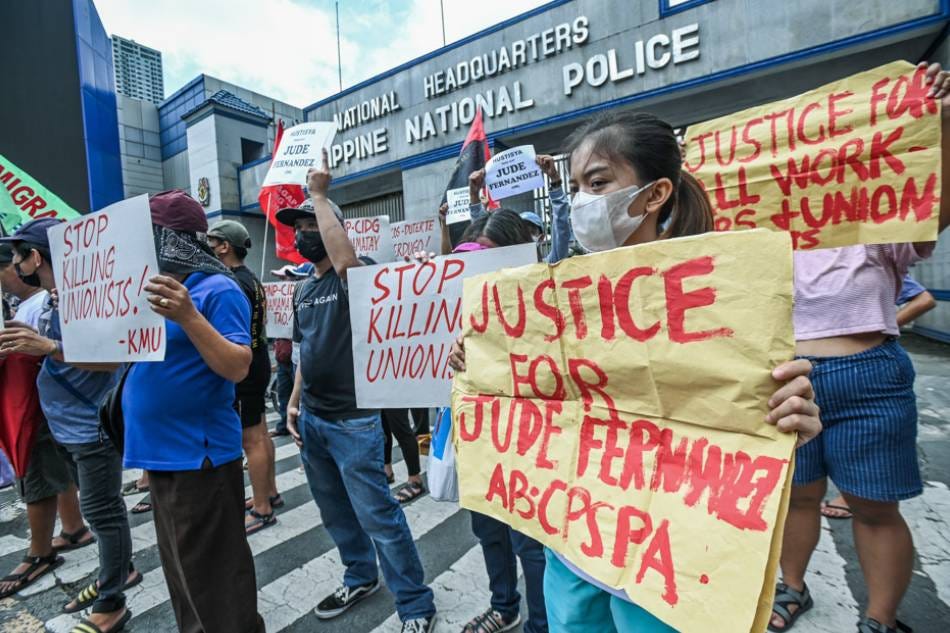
x=132 y=488
x=260 y=522
x=74 y=540
x=85 y=626
x=143 y=506
x=88 y=595
x=275 y=502
x=825 y=507
x=23 y=579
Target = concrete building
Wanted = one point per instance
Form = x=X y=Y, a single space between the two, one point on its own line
x=138 y=70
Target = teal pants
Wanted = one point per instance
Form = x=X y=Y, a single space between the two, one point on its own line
x=581 y=607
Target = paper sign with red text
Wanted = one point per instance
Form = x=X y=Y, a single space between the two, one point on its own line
x=405 y=317
x=371 y=237
x=102 y=263
x=416 y=236
x=280 y=309
x=854 y=162
x=613 y=408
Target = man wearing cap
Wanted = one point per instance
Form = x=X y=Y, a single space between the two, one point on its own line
x=230 y=240
x=341 y=444
x=70 y=397
x=181 y=425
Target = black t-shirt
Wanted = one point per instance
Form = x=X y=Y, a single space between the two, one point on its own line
x=258 y=376
x=322 y=328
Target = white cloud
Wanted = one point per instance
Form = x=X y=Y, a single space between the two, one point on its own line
x=287 y=49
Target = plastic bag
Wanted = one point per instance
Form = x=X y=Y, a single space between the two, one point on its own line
x=442 y=476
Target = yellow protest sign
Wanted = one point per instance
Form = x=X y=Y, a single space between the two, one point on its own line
x=854 y=162
x=614 y=409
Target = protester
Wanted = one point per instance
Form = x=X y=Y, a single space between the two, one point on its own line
x=47 y=486
x=560 y=209
x=70 y=396
x=181 y=425
x=230 y=241
x=342 y=445
x=914 y=301
x=396 y=422
x=283 y=353
x=627 y=170
x=846 y=322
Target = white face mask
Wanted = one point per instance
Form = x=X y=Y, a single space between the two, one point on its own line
x=601 y=222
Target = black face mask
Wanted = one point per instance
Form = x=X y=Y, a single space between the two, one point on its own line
x=310 y=245
x=29 y=280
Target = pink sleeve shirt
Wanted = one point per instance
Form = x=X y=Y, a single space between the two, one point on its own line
x=851 y=290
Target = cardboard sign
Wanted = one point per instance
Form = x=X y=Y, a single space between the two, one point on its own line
x=101 y=263
x=614 y=408
x=23 y=199
x=853 y=162
x=301 y=148
x=512 y=172
x=371 y=237
x=410 y=237
x=280 y=309
x=459 y=205
x=405 y=317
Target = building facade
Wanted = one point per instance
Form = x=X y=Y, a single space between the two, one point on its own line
x=138 y=70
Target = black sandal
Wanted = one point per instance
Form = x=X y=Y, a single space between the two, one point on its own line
x=143 y=506
x=89 y=594
x=132 y=488
x=870 y=625
x=86 y=626
x=410 y=491
x=275 y=502
x=24 y=580
x=785 y=596
x=260 y=522
x=74 y=540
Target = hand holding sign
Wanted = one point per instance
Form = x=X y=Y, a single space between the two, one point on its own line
x=512 y=172
x=318 y=180
x=170 y=299
x=300 y=149
x=458 y=201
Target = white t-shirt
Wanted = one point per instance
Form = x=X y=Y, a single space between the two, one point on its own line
x=30 y=309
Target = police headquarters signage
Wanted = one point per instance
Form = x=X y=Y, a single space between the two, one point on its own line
x=570 y=57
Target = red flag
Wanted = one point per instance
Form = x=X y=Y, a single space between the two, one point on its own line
x=277 y=197
x=20 y=413
x=475 y=153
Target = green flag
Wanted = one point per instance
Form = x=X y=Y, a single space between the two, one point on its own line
x=22 y=199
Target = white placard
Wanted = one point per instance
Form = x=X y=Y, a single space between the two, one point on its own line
x=301 y=148
x=371 y=237
x=512 y=172
x=405 y=318
x=460 y=204
x=280 y=309
x=102 y=263
x=410 y=237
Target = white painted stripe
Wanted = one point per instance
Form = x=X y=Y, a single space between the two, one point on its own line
x=835 y=609
x=461 y=593
x=927 y=516
x=294 y=595
x=153 y=591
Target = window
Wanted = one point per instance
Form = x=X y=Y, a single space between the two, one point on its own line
x=251 y=151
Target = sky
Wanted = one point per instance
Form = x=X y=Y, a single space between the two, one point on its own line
x=287 y=49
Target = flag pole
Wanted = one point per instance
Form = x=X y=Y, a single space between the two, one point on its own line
x=339 y=57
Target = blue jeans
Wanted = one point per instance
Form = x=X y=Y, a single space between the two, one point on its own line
x=285 y=385
x=580 y=607
x=500 y=545
x=344 y=464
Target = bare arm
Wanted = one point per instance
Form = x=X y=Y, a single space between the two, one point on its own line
x=916 y=307
x=446 y=246
x=339 y=249
x=22 y=339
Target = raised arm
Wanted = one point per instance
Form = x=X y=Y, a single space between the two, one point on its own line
x=339 y=249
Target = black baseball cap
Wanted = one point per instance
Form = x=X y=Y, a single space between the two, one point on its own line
x=33 y=233
x=6 y=253
x=289 y=215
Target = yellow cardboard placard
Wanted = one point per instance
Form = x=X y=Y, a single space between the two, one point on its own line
x=854 y=162
x=614 y=409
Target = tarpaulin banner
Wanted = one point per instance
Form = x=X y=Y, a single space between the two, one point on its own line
x=24 y=199
x=280 y=308
x=416 y=236
x=614 y=409
x=854 y=162
x=405 y=317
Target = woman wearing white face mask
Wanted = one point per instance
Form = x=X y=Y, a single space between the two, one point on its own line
x=627 y=171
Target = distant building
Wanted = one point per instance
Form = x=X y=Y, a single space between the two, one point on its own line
x=138 y=70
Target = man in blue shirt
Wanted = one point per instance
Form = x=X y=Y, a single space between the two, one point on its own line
x=342 y=445
x=70 y=396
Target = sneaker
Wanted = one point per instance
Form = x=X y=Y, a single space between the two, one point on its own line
x=419 y=625
x=344 y=598
x=491 y=622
